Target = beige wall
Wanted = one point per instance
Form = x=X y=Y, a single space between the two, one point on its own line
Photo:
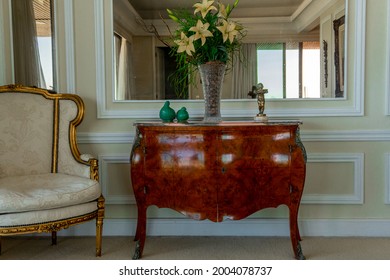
x=348 y=155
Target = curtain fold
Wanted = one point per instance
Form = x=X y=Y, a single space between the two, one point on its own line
x=27 y=65
x=244 y=74
x=124 y=69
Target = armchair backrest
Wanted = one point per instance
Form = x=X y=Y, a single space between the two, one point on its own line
x=38 y=132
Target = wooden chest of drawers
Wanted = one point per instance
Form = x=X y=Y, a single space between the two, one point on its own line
x=218 y=171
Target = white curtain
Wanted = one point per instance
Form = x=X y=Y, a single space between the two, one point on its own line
x=28 y=69
x=124 y=71
x=244 y=74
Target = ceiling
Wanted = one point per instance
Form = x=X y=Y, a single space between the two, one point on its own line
x=152 y=9
x=271 y=20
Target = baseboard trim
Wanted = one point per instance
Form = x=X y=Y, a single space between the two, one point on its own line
x=245 y=227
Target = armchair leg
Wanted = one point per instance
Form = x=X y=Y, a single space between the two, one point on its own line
x=99 y=231
x=99 y=226
x=53 y=238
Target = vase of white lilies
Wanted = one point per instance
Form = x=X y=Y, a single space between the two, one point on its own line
x=206 y=40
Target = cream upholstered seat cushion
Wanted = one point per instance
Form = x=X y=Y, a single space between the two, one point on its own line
x=45 y=191
x=45 y=216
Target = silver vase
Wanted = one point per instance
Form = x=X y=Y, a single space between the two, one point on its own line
x=211 y=75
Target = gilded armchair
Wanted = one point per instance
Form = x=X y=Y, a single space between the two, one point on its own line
x=46 y=185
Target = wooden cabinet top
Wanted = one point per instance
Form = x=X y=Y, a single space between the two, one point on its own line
x=221 y=124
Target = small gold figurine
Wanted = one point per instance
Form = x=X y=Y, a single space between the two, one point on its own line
x=260 y=91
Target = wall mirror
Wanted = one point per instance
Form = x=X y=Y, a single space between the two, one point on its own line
x=290 y=48
x=299 y=25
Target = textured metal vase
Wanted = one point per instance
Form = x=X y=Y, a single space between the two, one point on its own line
x=212 y=74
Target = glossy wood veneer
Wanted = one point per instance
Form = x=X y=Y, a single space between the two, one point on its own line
x=228 y=170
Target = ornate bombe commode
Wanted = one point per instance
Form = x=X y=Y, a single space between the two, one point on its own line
x=217 y=171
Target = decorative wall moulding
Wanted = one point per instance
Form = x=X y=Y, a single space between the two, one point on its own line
x=2 y=50
x=387 y=179
x=349 y=136
x=104 y=162
x=69 y=42
x=388 y=62
x=306 y=136
x=105 y=138
x=357 y=197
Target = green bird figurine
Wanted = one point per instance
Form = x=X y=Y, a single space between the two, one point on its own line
x=182 y=115
x=167 y=114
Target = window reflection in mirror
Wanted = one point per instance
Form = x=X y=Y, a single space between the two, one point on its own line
x=292 y=70
x=301 y=65
x=32 y=31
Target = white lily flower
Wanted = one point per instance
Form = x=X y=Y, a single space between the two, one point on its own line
x=222 y=11
x=185 y=44
x=228 y=30
x=201 y=31
x=204 y=7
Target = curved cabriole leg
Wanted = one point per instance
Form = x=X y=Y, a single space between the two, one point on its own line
x=137 y=232
x=294 y=233
x=140 y=235
x=299 y=235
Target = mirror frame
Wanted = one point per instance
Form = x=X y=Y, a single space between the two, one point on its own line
x=387 y=110
x=351 y=105
x=337 y=24
x=3 y=76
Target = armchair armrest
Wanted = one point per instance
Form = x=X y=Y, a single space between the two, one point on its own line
x=84 y=165
x=93 y=164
